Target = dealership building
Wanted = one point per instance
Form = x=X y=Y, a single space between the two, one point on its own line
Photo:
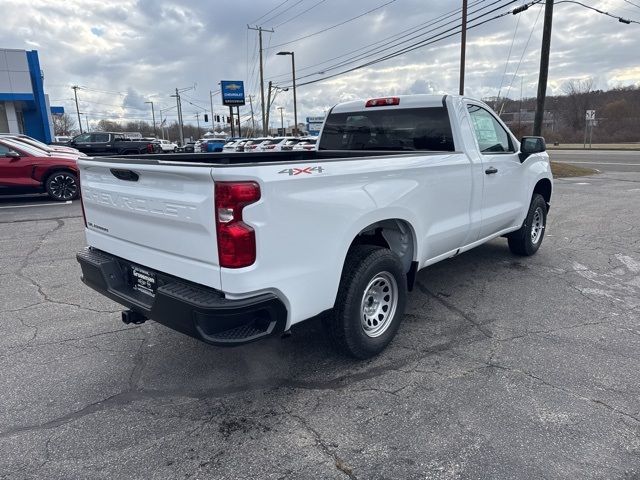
x=24 y=107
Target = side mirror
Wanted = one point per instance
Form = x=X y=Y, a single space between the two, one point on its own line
x=12 y=154
x=530 y=145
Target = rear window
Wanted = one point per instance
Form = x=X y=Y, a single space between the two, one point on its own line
x=393 y=129
x=274 y=141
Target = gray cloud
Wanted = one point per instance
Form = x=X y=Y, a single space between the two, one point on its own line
x=132 y=50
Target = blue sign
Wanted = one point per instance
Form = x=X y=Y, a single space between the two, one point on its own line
x=232 y=92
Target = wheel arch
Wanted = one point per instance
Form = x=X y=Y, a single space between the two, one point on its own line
x=544 y=188
x=58 y=168
x=396 y=234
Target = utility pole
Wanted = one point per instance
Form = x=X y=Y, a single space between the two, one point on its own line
x=281 y=120
x=153 y=116
x=253 y=120
x=260 y=30
x=268 y=110
x=179 y=108
x=75 y=93
x=198 y=122
x=544 y=67
x=161 y=123
x=463 y=46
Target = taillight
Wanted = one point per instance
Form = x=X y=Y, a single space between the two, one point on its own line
x=383 y=102
x=269 y=147
x=236 y=239
x=150 y=148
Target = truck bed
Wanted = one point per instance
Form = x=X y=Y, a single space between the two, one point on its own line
x=261 y=158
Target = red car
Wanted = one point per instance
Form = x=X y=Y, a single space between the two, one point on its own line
x=27 y=169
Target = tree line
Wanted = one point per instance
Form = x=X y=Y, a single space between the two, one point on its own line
x=617 y=114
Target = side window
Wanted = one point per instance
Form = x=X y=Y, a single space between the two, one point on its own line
x=492 y=138
x=84 y=138
x=99 y=137
x=3 y=150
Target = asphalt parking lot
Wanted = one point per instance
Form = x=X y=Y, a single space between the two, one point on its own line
x=504 y=367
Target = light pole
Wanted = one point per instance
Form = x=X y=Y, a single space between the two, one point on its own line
x=281 y=120
x=295 y=106
x=153 y=116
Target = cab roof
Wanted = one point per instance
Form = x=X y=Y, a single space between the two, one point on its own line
x=405 y=101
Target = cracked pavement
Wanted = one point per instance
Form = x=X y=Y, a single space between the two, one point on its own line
x=504 y=367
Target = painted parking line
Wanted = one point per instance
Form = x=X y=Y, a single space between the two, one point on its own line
x=68 y=202
x=597 y=162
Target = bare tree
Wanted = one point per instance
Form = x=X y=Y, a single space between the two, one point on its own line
x=63 y=124
x=578 y=93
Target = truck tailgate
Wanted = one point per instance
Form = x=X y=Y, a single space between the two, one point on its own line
x=156 y=215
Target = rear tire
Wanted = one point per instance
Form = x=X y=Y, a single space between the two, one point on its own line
x=370 y=303
x=527 y=240
x=62 y=186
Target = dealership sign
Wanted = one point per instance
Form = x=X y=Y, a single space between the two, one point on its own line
x=232 y=92
x=314 y=125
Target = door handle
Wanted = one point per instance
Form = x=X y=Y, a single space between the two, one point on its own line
x=491 y=170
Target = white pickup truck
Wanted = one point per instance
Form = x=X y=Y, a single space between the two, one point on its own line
x=231 y=247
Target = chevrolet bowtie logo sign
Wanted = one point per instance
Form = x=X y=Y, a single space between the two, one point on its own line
x=232 y=92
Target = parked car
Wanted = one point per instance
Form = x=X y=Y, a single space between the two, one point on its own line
x=240 y=145
x=307 y=143
x=41 y=145
x=188 y=147
x=230 y=146
x=253 y=145
x=212 y=145
x=110 y=143
x=61 y=139
x=396 y=184
x=274 y=144
x=167 y=146
x=289 y=144
x=27 y=169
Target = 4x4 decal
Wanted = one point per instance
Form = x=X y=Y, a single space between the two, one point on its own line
x=298 y=171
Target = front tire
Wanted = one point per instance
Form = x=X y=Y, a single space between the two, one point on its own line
x=527 y=240
x=62 y=186
x=370 y=303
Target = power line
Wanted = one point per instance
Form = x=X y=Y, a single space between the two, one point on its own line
x=272 y=10
x=428 y=41
x=506 y=65
x=89 y=89
x=524 y=51
x=333 y=26
x=408 y=31
x=301 y=13
x=413 y=46
x=278 y=14
x=631 y=3
x=620 y=19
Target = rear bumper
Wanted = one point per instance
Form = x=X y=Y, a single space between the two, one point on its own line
x=198 y=311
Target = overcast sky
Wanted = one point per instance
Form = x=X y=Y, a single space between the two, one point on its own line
x=126 y=52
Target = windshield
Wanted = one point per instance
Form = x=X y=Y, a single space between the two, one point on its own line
x=33 y=143
x=30 y=149
x=393 y=129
